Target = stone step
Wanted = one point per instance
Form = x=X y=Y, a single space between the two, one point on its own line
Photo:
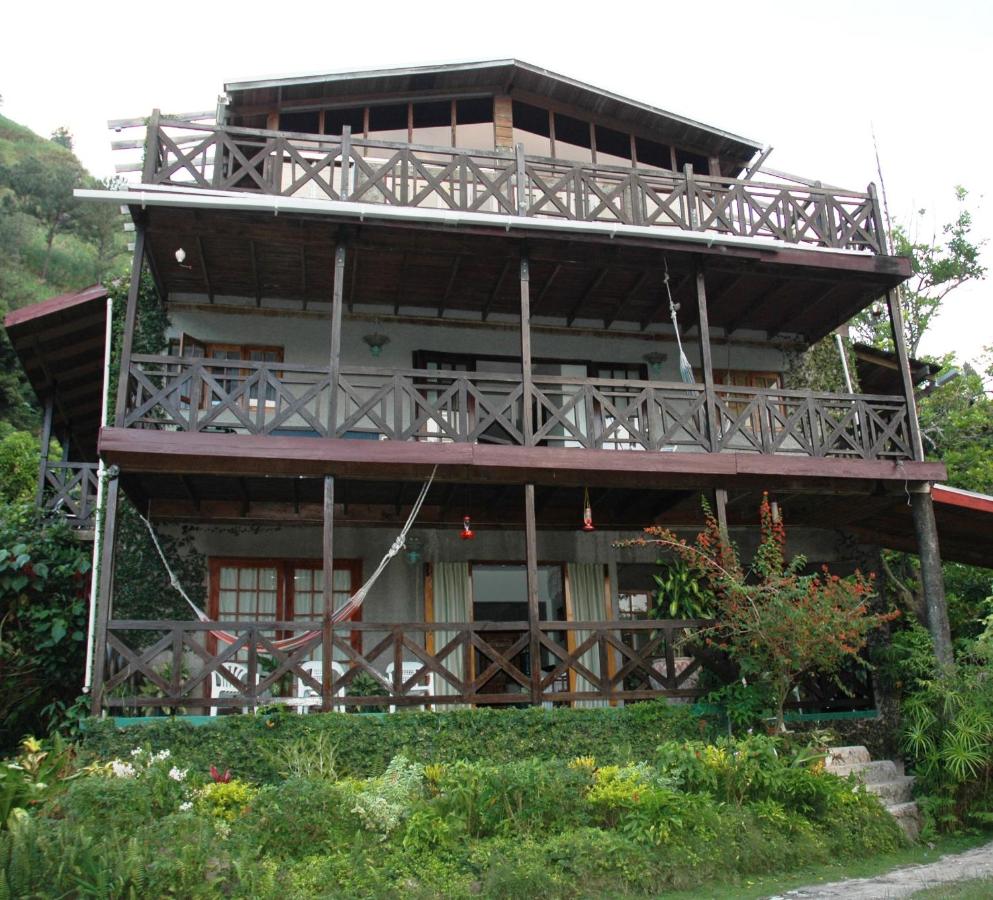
x=870 y=772
x=908 y=817
x=893 y=792
x=845 y=756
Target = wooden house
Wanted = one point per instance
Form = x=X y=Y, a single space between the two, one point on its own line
x=485 y=274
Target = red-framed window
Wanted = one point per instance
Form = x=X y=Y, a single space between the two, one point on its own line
x=281 y=590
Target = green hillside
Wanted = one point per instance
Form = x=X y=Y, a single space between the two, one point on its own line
x=49 y=242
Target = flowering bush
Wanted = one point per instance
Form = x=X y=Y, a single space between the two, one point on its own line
x=224 y=800
x=775 y=622
x=383 y=803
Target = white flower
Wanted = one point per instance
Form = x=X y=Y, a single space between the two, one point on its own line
x=177 y=774
x=121 y=769
x=183 y=807
x=161 y=755
x=136 y=752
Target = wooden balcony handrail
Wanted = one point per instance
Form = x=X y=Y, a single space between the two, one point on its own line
x=69 y=489
x=428 y=405
x=496 y=181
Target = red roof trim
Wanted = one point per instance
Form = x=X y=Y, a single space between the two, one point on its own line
x=950 y=496
x=54 y=305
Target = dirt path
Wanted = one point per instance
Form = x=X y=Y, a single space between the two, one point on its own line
x=905 y=881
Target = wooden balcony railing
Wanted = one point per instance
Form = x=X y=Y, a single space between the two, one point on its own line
x=243 y=397
x=171 y=664
x=69 y=489
x=328 y=167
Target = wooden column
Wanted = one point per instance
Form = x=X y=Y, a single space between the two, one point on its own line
x=721 y=508
x=334 y=356
x=130 y=319
x=534 y=611
x=903 y=360
x=327 y=652
x=46 y=445
x=706 y=361
x=932 y=579
x=527 y=421
x=105 y=591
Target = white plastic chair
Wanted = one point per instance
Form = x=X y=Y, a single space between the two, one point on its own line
x=221 y=688
x=315 y=669
x=408 y=670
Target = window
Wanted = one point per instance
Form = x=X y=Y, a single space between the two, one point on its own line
x=285 y=590
x=229 y=378
x=336 y=119
x=652 y=154
x=572 y=139
x=613 y=148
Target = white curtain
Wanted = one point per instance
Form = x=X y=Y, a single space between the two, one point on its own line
x=452 y=603
x=586 y=588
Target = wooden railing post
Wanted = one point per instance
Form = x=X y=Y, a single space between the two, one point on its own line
x=522 y=198
x=882 y=242
x=527 y=378
x=692 y=216
x=346 y=162
x=150 y=163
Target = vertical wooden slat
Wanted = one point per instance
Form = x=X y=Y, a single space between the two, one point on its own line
x=327 y=642
x=334 y=355
x=534 y=611
x=130 y=317
x=707 y=362
x=346 y=162
x=104 y=596
x=46 y=444
x=151 y=148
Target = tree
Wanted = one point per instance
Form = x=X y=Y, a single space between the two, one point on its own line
x=775 y=622
x=44 y=184
x=63 y=137
x=939 y=266
x=100 y=225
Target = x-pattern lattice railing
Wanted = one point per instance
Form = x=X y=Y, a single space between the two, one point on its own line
x=331 y=167
x=248 y=397
x=70 y=490
x=763 y=420
x=172 y=664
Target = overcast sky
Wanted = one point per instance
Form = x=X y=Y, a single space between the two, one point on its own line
x=810 y=79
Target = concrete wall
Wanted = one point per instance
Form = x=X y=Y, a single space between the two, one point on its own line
x=305 y=341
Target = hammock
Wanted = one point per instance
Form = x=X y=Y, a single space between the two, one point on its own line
x=685 y=370
x=337 y=617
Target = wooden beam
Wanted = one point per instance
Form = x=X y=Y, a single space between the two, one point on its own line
x=255 y=273
x=496 y=288
x=453 y=275
x=806 y=306
x=105 y=587
x=534 y=610
x=626 y=299
x=706 y=361
x=327 y=649
x=351 y=281
x=334 y=349
x=190 y=492
x=526 y=370
x=903 y=359
x=547 y=286
x=591 y=288
x=203 y=267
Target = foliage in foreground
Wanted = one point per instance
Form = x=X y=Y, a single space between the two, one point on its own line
x=775 y=622
x=688 y=812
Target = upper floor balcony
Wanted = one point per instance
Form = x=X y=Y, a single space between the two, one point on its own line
x=496 y=182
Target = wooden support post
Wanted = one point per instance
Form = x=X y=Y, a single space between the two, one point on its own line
x=932 y=579
x=334 y=357
x=327 y=644
x=534 y=611
x=522 y=191
x=721 y=506
x=46 y=444
x=104 y=595
x=130 y=319
x=527 y=423
x=346 y=162
x=707 y=363
x=903 y=360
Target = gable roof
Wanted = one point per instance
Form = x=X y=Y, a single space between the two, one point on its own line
x=504 y=76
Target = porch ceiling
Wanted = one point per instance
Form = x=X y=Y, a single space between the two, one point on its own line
x=285 y=262
x=882 y=519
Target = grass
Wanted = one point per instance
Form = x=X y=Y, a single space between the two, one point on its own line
x=765 y=886
x=973 y=889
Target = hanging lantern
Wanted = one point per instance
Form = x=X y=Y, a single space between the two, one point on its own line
x=467 y=533
x=587 y=512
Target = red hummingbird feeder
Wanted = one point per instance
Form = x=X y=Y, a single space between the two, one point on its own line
x=587 y=512
x=467 y=533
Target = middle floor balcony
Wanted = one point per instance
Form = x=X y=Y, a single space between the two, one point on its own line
x=209 y=396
